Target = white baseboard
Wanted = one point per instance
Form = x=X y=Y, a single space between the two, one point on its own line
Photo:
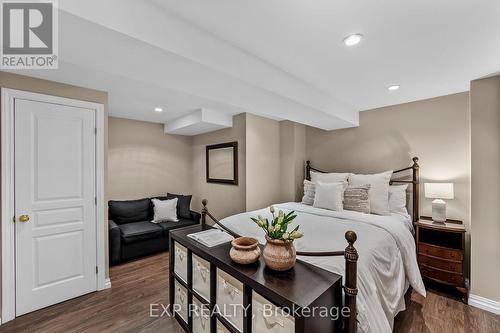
x=485 y=304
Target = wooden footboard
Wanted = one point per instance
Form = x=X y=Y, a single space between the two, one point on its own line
x=351 y=258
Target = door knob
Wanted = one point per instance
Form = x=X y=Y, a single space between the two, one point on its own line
x=24 y=218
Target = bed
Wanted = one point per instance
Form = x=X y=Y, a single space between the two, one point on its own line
x=387 y=263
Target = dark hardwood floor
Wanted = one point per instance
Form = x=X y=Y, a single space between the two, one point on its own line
x=442 y=313
x=135 y=285
x=122 y=308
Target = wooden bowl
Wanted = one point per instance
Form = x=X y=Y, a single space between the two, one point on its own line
x=245 y=250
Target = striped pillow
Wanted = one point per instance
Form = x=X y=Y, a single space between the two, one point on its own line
x=356 y=198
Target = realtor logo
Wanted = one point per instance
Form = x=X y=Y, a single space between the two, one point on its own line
x=29 y=34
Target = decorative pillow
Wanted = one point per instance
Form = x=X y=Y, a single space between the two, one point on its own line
x=329 y=196
x=397 y=199
x=356 y=198
x=332 y=177
x=165 y=210
x=309 y=191
x=183 y=204
x=379 y=190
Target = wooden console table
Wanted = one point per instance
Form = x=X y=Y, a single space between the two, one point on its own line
x=207 y=276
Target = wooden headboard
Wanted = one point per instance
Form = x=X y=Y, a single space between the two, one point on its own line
x=398 y=177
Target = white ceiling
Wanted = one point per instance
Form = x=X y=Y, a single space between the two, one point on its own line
x=282 y=59
x=431 y=48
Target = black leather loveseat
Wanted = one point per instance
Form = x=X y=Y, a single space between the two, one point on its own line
x=131 y=232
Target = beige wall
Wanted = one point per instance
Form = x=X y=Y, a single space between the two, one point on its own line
x=485 y=189
x=13 y=81
x=144 y=161
x=436 y=130
x=292 y=160
x=262 y=162
x=267 y=174
x=223 y=199
x=300 y=157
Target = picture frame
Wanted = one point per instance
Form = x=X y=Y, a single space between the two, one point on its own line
x=222 y=163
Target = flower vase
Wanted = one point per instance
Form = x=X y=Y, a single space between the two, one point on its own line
x=279 y=255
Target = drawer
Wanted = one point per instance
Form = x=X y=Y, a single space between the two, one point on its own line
x=180 y=261
x=442 y=276
x=229 y=299
x=181 y=301
x=201 y=317
x=201 y=277
x=452 y=266
x=440 y=252
x=221 y=328
x=266 y=317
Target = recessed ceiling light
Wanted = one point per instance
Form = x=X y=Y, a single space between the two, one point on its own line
x=393 y=87
x=353 y=39
x=158 y=109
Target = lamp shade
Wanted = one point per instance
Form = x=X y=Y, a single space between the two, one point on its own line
x=439 y=190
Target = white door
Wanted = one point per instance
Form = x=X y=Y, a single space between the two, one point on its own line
x=55 y=197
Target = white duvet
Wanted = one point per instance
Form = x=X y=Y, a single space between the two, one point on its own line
x=387 y=260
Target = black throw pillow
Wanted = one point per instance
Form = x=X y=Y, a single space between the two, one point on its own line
x=183 y=204
x=127 y=211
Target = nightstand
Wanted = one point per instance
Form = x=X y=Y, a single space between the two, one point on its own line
x=441 y=252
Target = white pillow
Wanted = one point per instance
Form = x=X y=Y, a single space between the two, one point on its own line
x=329 y=196
x=397 y=199
x=332 y=177
x=379 y=190
x=309 y=191
x=165 y=210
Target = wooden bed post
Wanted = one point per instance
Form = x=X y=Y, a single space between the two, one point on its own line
x=416 y=189
x=204 y=213
x=350 y=287
x=308 y=170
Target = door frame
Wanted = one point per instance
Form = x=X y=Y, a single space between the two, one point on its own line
x=8 y=274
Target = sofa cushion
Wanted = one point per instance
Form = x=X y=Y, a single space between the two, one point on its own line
x=138 y=231
x=130 y=210
x=183 y=204
x=167 y=226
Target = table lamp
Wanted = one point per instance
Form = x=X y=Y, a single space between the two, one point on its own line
x=438 y=192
